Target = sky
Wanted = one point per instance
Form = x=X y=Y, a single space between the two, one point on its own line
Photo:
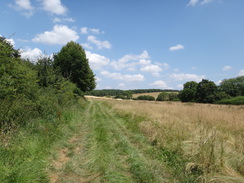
x=134 y=44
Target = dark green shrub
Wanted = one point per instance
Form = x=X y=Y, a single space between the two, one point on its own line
x=232 y=101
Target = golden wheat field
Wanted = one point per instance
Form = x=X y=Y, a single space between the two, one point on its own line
x=210 y=137
x=154 y=94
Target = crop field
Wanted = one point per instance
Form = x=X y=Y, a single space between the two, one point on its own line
x=154 y=94
x=201 y=140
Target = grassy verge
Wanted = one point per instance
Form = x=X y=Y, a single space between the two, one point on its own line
x=24 y=152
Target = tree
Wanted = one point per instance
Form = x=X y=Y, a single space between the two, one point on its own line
x=74 y=65
x=233 y=87
x=163 y=96
x=15 y=78
x=188 y=94
x=206 y=92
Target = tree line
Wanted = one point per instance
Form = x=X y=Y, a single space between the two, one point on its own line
x=30 y=90
x=230 y=91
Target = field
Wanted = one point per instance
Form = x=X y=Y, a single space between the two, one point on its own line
x=135 y=141
x=154 y=94
x=131 y=141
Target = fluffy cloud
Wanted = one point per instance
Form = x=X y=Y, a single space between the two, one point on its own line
x=159 y=84
x=189 y=77
x=177 y=47
x=226 y=68
x=97 y=61
x=31 y=54
x=98 y=43
x=24 y=4
x=54 y=7
x=154 y=69
x=60 y=34
x=119 y=76
x=241 y=73
x=130 y=61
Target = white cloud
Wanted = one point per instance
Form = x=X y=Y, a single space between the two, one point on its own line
x=60 y=34
x=98 y=43
x=121 y=85
x=163 y=65
x=154 y=69
x=86 y=30
x=87 y=46
x=159 y=84
x=96 y=31
x=203 y=2
x=11 y=41
x=177 y=47
x=144 y=62
x=226 y=68
x=180 y=86
x=192 y=2
x=241 y=73
x=97 y=61
x=125 y=61
x=189 y=77
x=31 y=54
x=24 y=4
x=119 y=76
x=54 y=6
x=98 y=79
x=59 y=20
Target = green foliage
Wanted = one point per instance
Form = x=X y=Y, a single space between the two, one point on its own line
x=163 y=97
x=145 y=97
x=232 y=101
x=206 y=91
x=7 y=49
x=45 y=72
x=73 y=64
x=188 y=94
x=233 y=87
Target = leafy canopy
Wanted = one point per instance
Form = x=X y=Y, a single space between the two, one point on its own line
x=74 y=65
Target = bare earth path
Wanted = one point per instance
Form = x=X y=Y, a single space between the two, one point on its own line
x=106 y=148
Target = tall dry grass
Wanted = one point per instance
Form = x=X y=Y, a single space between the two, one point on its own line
x=209 y=137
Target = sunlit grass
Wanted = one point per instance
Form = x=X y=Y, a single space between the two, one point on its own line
x=208 y=138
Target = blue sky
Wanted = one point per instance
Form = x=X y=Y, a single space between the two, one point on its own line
x=134 y=44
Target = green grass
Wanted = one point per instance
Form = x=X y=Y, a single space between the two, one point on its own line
x=24 y=152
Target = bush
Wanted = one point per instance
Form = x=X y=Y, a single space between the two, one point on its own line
x=232 y=101
x=146 y=97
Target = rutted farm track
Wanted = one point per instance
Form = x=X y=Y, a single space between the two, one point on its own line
x=108 y=149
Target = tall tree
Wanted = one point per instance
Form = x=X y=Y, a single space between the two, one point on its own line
x=188 y=94
x=206 y=91
x=74 y=65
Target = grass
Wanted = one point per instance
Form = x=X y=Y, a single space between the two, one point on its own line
x=199 y=143
x=24 y=152
x=128 y=141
